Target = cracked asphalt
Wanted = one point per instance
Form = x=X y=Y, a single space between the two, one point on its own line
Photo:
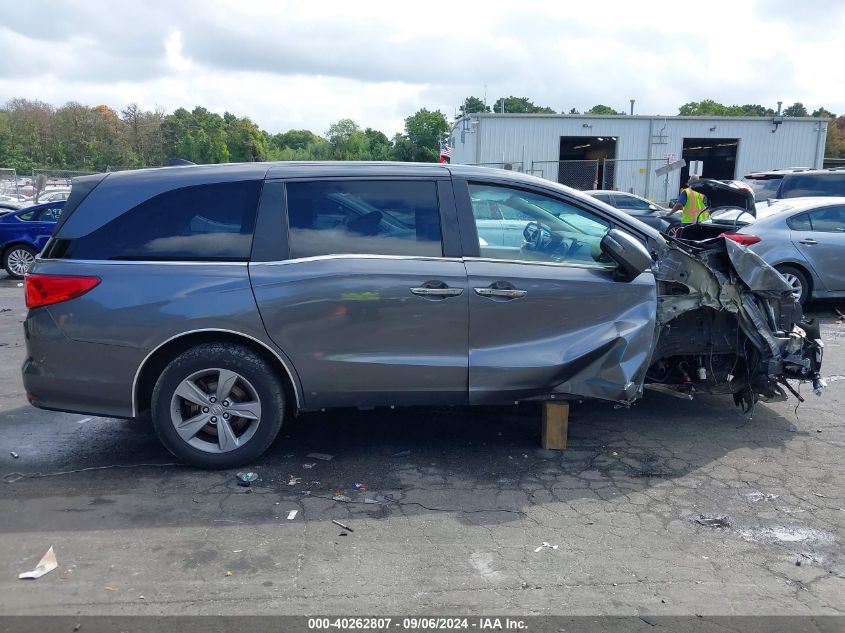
x=668 y=508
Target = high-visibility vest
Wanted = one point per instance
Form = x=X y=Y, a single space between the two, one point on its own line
x=694 y=208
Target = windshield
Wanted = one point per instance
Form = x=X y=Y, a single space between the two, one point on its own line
x=764 y=188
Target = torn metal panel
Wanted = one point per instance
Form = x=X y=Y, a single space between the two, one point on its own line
x=719 y=300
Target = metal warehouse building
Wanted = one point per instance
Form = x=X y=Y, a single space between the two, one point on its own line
x=622 y=152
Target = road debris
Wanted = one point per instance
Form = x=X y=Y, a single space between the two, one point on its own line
x=292 y=515
x=309 y=466
x=359 y=486
x=14 y=454
x=792 y=428
x=341 y=525
x=47 y=564
x=717 y=523
x=293 y=480
x=228 y=573
x=401 y=454
x=245 y=479
x=20 y=285
x=321 y=456
x=371 y=501
x=339 y=496
x=545 y=546
x=761 y=496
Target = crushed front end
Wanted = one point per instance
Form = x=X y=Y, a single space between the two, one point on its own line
x=727 y=323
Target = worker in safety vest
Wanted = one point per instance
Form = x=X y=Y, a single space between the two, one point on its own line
x=693 y=205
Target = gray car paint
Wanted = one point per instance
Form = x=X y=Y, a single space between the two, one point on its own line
x=577 y=331
x=781 y=245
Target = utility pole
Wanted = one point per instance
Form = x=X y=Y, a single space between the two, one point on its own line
x=632 y=106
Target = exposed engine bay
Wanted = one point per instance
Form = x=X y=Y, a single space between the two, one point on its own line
x=727 y=323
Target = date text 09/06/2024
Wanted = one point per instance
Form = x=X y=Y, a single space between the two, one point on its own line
x=418 y=623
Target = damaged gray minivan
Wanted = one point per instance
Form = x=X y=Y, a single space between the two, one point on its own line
x=222 y=298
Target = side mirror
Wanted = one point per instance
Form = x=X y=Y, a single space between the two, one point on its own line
x=627 y=251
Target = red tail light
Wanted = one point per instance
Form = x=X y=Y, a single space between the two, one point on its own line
x=741 y=238
x=43 y=290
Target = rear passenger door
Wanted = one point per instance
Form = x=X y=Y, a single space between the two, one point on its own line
x=364 y=294
x=549 y=318
x=820 y=236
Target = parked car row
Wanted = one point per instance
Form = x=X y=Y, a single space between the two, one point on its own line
x=23 y=233
x=802 y=238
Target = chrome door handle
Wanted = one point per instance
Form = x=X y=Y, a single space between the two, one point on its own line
x=437 y=292
x=509 y=293
x=809 y=241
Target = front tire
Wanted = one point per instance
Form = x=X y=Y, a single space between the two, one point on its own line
x=798 y=281
x=218 y=405
x=17 y=260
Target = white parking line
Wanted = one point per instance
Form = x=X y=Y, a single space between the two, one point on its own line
x=84 y=420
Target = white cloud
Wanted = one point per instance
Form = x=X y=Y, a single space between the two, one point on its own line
x=307 y=64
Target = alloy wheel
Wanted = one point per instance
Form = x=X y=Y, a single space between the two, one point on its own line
x=215 y=410
x=19 y=260
x=795 y=284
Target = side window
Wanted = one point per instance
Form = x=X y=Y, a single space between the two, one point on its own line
x=603 y=197
x=535 y=227
x=828 y=219
x=630 y=202
x=373 y=217
x=800 y=185
x=202 y=222
x=50 y=214
x=800 y=222
x=27 y=216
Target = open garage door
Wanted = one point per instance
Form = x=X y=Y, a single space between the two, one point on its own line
x=582 y=160
x=718 y=156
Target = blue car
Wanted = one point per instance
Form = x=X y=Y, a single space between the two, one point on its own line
x=23 y=234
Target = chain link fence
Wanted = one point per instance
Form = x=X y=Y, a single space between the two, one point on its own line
x=8 y=184
x=578 y=174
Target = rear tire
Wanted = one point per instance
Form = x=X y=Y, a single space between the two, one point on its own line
x=218 y=405
x=798 y=280
x=17 y=260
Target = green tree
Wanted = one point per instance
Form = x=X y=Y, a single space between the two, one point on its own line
x=347 y=140
x=472 y=105
x=424 y=129
x=708 y=107
x=835 y=144
x=824 y=113
x=245 y=141
x=378 y=144
x=295 y=139
x=521 y=105
x=602 y=109
x=756 y=110
x=796 y=109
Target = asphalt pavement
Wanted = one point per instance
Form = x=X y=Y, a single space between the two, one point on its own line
x=667 y=508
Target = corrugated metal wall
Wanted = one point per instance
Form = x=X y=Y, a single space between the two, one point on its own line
x=523 y=141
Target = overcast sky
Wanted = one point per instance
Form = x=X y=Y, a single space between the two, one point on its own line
x=307 y=64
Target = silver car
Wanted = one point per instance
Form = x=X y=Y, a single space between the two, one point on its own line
x=803 y=238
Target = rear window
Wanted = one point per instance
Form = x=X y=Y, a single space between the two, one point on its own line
x=764 y=188
x=202 y=222
x=799 y=185
x=363 y=217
